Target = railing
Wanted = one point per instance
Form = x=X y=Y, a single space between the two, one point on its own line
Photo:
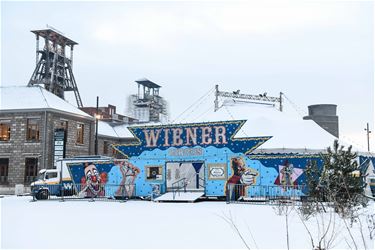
x=201 y=179
x=238 y=193
x=78 y=191
x=178 y=185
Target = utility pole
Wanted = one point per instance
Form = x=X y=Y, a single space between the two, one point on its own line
x=96 y=125
x=216 y=97
x=281 y=102
x=368 y=137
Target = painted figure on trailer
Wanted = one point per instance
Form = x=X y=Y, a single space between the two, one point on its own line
x=121 y=179
x=129 y=172
x=91 y=182
x=241 y=178
x=288 y=175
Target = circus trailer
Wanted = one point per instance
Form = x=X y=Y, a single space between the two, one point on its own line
x=188 y=161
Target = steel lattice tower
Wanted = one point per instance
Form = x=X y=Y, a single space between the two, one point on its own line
x=54 y=70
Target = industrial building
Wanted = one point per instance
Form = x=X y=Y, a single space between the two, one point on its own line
x=36 y=129
x=38 y=126
x=147 y=105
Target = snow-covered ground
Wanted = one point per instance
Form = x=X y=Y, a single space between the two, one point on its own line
x=144 y=224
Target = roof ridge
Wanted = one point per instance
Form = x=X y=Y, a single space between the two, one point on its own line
x=113 y=127
x=44 y=97
x=15 y=86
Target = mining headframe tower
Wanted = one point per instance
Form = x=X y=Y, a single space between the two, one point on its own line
x=54 y=69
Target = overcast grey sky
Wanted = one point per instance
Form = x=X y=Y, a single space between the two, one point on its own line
x=314 y=51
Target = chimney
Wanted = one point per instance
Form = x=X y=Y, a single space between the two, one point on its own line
x=325 y=116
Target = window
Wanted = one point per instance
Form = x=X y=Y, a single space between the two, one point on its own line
x=51 y=175
x=154 y=173
x=31 y=169
x=80 y=130
x=4 y=166
x=105 y=147
x=63 y=124
x=4 y=130
x=32 y=133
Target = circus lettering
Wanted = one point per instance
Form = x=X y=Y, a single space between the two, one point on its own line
x=196 y=135
x=187 y=136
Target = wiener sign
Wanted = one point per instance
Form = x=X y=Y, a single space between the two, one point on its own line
x=187 y=136
x=192 y=135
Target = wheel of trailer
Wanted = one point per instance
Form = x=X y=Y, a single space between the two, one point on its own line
x=42 y=194
x=69 y=192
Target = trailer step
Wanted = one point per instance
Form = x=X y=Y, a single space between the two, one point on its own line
x=182 y=196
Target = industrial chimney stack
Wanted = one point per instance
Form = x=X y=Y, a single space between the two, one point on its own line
x=325 y=116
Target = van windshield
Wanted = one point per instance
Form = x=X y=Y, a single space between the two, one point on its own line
x=41 y=176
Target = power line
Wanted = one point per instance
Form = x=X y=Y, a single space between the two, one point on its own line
x=204 y=112
x=197 y=106
x=192 y=105
x=295 y=106
x=243 y=131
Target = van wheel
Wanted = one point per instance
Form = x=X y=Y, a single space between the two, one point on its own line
x=42 y=194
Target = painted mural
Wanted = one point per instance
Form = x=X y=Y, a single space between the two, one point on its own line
x=367 y=164
x=288 y=174
x=283 y=174
x=242 y=177
x=121 y=179
x=225 y=158
x=91 y=181
x=110 y=179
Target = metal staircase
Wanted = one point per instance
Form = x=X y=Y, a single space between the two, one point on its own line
x=178 y=192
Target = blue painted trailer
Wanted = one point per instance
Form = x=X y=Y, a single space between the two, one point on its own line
x=209 y=157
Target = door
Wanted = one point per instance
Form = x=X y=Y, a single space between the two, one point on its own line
x=193 y=172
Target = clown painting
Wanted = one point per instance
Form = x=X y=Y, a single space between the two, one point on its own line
x=92 y=182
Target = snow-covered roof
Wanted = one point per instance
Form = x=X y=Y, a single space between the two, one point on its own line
x=123 y=131
x=290 y=133
x=104 y=129
x=117 y=131
x=288 y=129
x=14 y=98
